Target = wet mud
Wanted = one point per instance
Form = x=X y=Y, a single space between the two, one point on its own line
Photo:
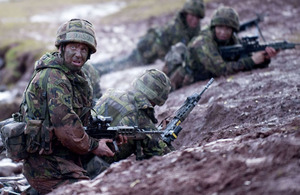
x=242 y=138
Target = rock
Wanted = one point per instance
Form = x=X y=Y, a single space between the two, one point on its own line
x=9 y=168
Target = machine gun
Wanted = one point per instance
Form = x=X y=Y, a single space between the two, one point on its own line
x=249 y=45
x=173 y=129
x=253 y=22
x=99 y=127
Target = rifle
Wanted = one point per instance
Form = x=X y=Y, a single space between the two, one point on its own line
x=253 y=22
x=249 y=45
x=99 y=127
x=173 y=129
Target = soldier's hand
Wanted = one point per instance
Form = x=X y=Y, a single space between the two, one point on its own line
x=270 y=52
x=121 y=140
x=259 y=57
x=176 y=78
x=103 y=149
x=188 y=79
x=165 y=123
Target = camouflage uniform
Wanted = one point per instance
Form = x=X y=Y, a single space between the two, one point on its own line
x=203 y=59
x=157 y=41
x=134 y=108
x=93 y=77
x=67 y=97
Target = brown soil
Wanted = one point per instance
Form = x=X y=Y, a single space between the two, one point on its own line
x=242 y=138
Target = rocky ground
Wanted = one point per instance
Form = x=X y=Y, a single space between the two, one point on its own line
x=242 y=138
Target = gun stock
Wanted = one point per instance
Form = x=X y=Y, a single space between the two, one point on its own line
x=173 y=128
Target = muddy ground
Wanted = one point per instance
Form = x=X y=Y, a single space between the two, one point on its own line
x=242 y=138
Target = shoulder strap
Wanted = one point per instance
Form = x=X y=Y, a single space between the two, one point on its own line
x=45 y=113
x=23 y=106
x=45 y=131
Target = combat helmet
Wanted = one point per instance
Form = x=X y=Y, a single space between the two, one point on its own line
x=226 y=16
x=77 y=30
x=195 y=7
x=155 y=85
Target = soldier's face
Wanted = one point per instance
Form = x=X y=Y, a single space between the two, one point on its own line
x=192 y=20
x=223 y=32
x=75 y=55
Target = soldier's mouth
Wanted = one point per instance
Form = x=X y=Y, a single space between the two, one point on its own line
x=77 y=62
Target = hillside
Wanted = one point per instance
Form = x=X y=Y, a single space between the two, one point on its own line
x=244 y=135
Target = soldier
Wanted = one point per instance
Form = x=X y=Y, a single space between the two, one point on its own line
x=135 y=107
x=57 y=104
x=93 y=77
x=203 y=59
x=157 y=41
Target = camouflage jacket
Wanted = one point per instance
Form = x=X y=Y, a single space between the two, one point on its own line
x=93 y=77
x=132 y=108
x=204 y=60
x=158 y=41
x=69 y=98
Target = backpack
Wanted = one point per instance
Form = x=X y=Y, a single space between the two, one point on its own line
x=21 y=139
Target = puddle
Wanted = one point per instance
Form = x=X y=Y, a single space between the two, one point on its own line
x=80 y=11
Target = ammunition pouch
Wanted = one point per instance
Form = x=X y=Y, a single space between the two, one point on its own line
x=38 y=137
x=21 y=139
x=14 y=140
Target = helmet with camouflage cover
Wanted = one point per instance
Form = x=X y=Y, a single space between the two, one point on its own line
x=155 y=85
x=77 y=30
x=195 y=7
x=226 y=16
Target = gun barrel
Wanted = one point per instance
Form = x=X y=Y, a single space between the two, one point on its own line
x=174 y=128
x=207 y=85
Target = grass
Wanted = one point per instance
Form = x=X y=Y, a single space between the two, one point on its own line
x=15 y=15
x=137 y=10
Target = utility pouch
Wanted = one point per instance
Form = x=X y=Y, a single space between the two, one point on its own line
x=33 y=135
x=14 y=140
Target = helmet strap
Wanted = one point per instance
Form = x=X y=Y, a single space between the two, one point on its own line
x=62 y=52
x=89 y=55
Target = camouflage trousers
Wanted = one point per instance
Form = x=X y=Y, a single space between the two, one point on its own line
x=45 y=173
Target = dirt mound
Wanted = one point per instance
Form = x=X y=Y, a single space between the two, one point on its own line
x=243 y=136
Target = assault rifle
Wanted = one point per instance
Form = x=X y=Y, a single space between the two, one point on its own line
x=249 y=45
x=173 y=129
x=99 y=127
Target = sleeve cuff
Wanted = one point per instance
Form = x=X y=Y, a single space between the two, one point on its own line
x=249 y=63
x=94 y=143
